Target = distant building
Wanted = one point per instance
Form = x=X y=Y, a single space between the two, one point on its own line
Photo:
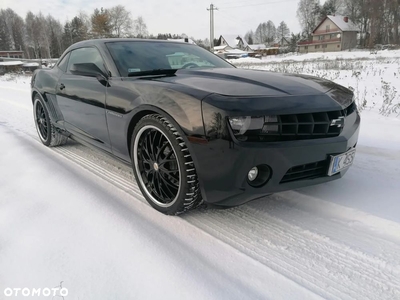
x=255 y=48
x=185 y=40
x=334 y=33
x=262 y=49
x=12 y=54
x=231 y=41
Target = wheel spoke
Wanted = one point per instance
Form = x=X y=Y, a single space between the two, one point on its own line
x=158 y=165
x=167 y=181
x=170 y=173
x=170 y=193
x=161 y=150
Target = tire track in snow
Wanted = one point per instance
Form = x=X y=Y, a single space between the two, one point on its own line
x=277 y=245
x=289 y=245
x=327 y=267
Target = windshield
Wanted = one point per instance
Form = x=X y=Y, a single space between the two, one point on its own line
x=139 y=56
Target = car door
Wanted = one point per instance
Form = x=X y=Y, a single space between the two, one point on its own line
x=81 y=100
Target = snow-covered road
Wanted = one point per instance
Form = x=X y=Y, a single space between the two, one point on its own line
x=76 y=215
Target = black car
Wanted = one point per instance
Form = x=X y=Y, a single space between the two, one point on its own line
x=195 y=128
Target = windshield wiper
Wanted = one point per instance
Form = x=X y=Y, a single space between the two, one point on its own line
x=153 y=72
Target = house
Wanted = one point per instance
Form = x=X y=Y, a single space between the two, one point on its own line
x=334 y=33
x=262 y=49
x=233 y=41
x=185 y=40
x=12 y=54
x=255 y=48
x=284 y=42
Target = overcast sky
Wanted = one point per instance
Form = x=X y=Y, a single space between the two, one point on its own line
x=176 y=16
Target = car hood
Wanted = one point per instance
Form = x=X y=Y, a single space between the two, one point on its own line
x=242 y=82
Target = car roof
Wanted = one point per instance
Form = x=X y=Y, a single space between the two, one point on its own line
x=92 y=42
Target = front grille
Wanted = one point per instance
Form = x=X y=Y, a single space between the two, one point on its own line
x=304 y=126
x=308 y=171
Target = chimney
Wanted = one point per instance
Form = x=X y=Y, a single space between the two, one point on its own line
x=346 y=19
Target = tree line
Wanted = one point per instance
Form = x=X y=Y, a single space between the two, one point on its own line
x=378 y=20
x=268 y=33
x=42 y=36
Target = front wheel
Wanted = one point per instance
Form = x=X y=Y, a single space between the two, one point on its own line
x=163 y=167
x=48 y=134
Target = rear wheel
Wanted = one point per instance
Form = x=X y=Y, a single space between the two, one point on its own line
x=163 y=166
x=48 y=134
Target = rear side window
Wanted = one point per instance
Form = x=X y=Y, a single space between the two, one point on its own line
x=64 y=62
x=86 y=55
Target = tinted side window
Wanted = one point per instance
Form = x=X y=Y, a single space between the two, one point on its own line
x=64 y=63
x=86 y=55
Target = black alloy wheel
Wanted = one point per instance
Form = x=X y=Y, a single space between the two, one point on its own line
x=163 y=166
x=41 y=122
x=48 y=134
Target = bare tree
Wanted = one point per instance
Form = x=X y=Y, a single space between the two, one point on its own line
x=270 y=32
x=282 y=32
x=120 y=21
x=17 y=27
x=249 y=37
x=54 y=30
x=308 y=14
x=140 y=28
x=259 y=35
x=331 y=7
x=5 y=36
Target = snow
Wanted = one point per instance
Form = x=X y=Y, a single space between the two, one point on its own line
x=11 y=63
x=76 y=215
x=257 y=46
x=324 y=56
x=343 y=26
x=190 y=41
x=32 y=64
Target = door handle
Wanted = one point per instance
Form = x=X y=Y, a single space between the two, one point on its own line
x=62 y=86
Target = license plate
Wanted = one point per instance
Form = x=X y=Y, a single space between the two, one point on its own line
x=341 y=162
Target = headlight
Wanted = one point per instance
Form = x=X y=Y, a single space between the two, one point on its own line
x=241 y=125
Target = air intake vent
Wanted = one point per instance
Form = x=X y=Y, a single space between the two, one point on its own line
x=308 y=171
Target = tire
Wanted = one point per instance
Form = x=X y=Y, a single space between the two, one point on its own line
x=163 y=167
x=48 y=133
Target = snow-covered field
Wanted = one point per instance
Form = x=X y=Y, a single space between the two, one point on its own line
x=76 y=216
x=374 y=78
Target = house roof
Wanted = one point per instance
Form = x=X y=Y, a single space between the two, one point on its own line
x=232 y=40
x=220 y=47
x=236 y=51
x=340 y=23
x=257 y=46
x=190 y=41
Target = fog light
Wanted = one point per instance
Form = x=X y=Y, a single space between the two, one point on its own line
x=253 y=173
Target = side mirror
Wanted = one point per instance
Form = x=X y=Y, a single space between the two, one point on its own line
x=88 y=69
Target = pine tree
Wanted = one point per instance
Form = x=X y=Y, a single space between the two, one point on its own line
x=282 y=32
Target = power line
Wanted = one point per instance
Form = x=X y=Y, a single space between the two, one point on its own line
x=258 y=4
x=240 y=1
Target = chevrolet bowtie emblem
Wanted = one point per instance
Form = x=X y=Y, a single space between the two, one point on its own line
x=338 y=122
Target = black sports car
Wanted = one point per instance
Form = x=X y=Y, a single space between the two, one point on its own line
x=195 y=128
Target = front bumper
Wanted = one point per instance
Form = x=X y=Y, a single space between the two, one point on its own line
x=223 y=164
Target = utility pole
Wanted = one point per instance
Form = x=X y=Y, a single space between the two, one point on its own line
x=211 y=9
